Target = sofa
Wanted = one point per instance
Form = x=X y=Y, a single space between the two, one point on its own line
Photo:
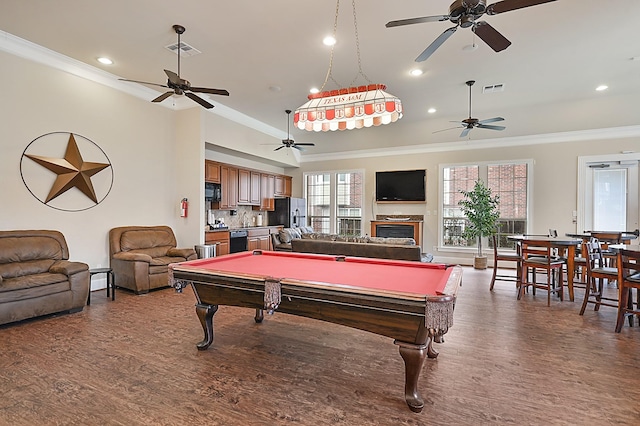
x=304 y=240
x=140 y=256
x=36 y=276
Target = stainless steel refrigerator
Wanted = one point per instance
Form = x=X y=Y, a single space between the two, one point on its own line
x=290 y=212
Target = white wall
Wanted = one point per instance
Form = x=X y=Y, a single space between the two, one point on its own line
x=152 y=167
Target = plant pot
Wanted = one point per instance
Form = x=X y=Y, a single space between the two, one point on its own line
x=480 y=262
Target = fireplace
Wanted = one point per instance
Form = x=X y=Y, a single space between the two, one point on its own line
x=401 y=228
x=395 y=231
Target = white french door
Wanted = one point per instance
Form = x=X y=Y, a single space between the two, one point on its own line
x=610 y=193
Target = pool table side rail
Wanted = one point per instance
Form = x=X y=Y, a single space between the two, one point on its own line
x=177 y=274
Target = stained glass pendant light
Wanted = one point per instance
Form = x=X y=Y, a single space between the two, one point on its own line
x=348 y=108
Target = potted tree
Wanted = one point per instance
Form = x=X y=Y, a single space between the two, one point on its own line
x=481 y=210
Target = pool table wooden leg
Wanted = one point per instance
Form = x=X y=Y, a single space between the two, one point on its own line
x=259 y=315
x=414 y=357
x=205 y=315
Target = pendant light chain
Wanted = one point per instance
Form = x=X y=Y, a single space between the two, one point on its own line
x=355 y=26
x=329 y=75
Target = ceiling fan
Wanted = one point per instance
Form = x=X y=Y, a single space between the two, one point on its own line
x=180 y=86
x=288 y=142
x=465 y=13
x=470 y=123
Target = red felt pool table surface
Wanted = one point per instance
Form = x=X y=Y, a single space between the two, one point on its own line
x=357 y=274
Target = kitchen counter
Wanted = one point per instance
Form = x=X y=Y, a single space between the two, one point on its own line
x=243 y=228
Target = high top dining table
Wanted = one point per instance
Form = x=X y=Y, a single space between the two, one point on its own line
x=626 y=236
x=565 y=244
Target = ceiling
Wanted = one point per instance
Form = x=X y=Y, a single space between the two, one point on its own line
x=268 y=54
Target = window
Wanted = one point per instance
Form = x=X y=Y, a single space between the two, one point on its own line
x=334 y=202
x=507 y=180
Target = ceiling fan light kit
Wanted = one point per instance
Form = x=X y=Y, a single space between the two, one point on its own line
x=180 y=86
x=466 y=14
x=348 y=108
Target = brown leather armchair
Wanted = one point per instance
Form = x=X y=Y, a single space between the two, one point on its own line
x=36 y=276
x=140 y=256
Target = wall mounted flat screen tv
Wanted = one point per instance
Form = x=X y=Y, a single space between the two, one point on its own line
x=401 y=186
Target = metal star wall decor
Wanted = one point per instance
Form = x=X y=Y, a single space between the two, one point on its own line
x=72 y=171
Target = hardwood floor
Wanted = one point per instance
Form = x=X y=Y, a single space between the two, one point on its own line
x=133 y=361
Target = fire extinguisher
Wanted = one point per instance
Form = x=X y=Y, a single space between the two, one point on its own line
x=184 y=207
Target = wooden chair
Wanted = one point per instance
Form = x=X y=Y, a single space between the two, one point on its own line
x=606 y=239
x=597 y=272
x=539 y=255
x=505 y=257
x=628 y=279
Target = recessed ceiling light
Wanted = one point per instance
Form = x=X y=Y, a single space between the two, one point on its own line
x=329 y=41
x=314 y=90
x=416 y=72
x=602 y=87
x=275 y=88
x=105 y=61
x=431 y=110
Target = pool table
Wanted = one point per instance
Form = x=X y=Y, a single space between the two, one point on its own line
x=411 y=302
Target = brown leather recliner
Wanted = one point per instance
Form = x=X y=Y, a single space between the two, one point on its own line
x=36 y=276
x=140 y=256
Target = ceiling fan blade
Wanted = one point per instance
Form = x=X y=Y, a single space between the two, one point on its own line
x=173 y=77
x=412 y=21
x=221 y=92
x=305 y=144
x=491 y=120
x=465 y=132
x=509 y=5
x=444 y=130
x=199 y=100
x=279 y=148
x=162 y=97
x=143 y=82
x=297 y=147
x=484 y=126
x=491 y=36
x=436 y=43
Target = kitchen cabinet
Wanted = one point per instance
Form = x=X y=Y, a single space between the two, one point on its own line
x=248 y=187
x=254 y=195
x=220 y=239
x=211 y=171
x=267 y=192
x=271 y=193
x=283 y=186
x=229 y=188
x=244 y=186
x=258 y=239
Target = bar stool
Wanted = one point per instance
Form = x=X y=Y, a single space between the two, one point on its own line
x=539 y=255
x=506 y=257
x=597 y=272
x=628 y=279
x=111 y=282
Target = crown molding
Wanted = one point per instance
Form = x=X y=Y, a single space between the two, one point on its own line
x=538 y=139
x=39 y=54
